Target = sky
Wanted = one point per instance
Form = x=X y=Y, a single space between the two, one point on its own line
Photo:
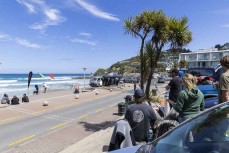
x=65 y=36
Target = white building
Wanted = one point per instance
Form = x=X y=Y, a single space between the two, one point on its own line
x=204 y=57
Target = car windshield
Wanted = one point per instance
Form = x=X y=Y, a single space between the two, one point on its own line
x=202 y=72
x=206 y=133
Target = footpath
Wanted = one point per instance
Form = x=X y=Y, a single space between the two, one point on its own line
x=99 y=141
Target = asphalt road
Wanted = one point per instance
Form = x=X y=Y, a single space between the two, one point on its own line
x=19 y=131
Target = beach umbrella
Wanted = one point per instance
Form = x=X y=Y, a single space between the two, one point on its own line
x=30 y=77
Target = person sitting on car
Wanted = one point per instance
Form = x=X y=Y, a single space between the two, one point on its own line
x=140 y=116
x=25 y=98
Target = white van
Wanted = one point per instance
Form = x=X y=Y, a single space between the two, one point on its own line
x=96 y=81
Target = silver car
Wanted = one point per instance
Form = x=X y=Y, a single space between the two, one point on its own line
x=131 y=79
x=208 y=132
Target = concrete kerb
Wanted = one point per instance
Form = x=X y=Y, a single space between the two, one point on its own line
x=3 y=105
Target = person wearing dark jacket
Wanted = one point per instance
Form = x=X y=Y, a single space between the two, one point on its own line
x=25 y=98
x=190 y=100
x=5 y=99
x=15 y=100
x=175 y=86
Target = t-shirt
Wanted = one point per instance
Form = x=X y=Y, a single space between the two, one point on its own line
x=176 y=86
x=223 y=84
x=139 y=117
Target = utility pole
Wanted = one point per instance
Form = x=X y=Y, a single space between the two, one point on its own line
x=84 y=76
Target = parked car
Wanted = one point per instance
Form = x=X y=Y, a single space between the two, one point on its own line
x=207 y=78
x=96 y=81
x=161 y=80
x=207 y=132
x=131 y=79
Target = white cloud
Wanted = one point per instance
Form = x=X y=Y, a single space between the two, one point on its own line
x=52 y=16
x=20 y=41
x=87 y=35
x=4 y=37
x=26 y=43
x=30 y=7
x=95 y=11
x=83 y=41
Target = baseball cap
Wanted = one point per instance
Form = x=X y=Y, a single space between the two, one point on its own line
x=138 y=93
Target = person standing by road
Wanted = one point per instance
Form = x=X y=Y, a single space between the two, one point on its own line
x=190 y=100
x=224 y=80
x=140 y=116
x=135 y=85
x=175 y=86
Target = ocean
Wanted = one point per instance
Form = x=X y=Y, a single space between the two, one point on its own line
x=17 y=84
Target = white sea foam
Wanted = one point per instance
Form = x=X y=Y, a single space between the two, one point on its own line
x=8 y=81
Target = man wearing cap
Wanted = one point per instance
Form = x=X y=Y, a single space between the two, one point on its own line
x=140 y=116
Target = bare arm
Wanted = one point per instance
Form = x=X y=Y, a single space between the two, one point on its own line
x=225 y=95
x=167 y=87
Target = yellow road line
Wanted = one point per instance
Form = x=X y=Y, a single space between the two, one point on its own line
x=100 y=110
x=82 y=116
x=60 y=106
x=8 y=119
x=21 y=140
x=57 y=126
x=37 y=112
x=112 y=105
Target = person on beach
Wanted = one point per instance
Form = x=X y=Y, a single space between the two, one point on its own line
x=5 y=99
x=25 y=98
x=224 y=80
x=190 y=100
x=175 y=86
x=140 y=116
x=45 y=87
x=15 y=100
x=77 y=90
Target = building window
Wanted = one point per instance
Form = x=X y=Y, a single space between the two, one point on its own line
x=182 y=57
x=217 y=56
x=192 y=57
x=204 y=56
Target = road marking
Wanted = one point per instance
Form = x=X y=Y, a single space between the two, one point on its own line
x=41 y=111
x=82 y=116
x=8 y=119
x=100 y=110
x=59 y=106
x=21 y=140
x=57 y=126
x=53 y=98
x=112 y=105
